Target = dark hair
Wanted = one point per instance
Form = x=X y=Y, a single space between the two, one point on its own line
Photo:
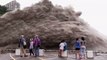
x=63 y=41
x=83 y=38
x=77 y=39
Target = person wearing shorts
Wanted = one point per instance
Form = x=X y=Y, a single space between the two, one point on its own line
x=61 y=48
x=77 y=48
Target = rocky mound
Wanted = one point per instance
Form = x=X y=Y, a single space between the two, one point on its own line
x=51 y=23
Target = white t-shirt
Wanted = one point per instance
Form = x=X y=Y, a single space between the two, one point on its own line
x=61 y=46
x=31 y=45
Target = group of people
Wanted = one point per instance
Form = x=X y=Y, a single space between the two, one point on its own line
x=80 y=48
x=35 y=43
x=34 y=46
x=79 y=45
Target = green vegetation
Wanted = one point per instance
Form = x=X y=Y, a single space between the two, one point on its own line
x=3 y=10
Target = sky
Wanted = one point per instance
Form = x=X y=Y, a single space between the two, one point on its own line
x=94 y=12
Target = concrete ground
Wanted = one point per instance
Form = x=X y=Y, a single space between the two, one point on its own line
x=48 y=56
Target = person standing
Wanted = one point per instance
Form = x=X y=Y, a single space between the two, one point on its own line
x=22 y=45
x=83 y=48
x=37 y=44
x=61 y=48
x=77 y=48
x=31 y=47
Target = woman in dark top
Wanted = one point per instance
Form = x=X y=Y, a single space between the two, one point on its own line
x=77 y=48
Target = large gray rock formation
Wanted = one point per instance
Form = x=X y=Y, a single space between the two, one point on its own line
x=51 y=23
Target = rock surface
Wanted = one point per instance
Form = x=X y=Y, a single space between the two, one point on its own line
x=51 y=23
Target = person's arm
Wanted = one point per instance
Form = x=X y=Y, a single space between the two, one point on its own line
x=39 y=41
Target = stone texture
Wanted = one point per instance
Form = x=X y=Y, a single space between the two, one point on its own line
x=51 y=23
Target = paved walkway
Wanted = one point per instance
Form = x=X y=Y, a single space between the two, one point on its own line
x=48 y=56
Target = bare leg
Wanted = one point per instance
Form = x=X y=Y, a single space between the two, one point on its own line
x=59 y=53
x=77 y=53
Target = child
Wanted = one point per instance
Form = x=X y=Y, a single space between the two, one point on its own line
x=83 y=48
x=31 y=47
